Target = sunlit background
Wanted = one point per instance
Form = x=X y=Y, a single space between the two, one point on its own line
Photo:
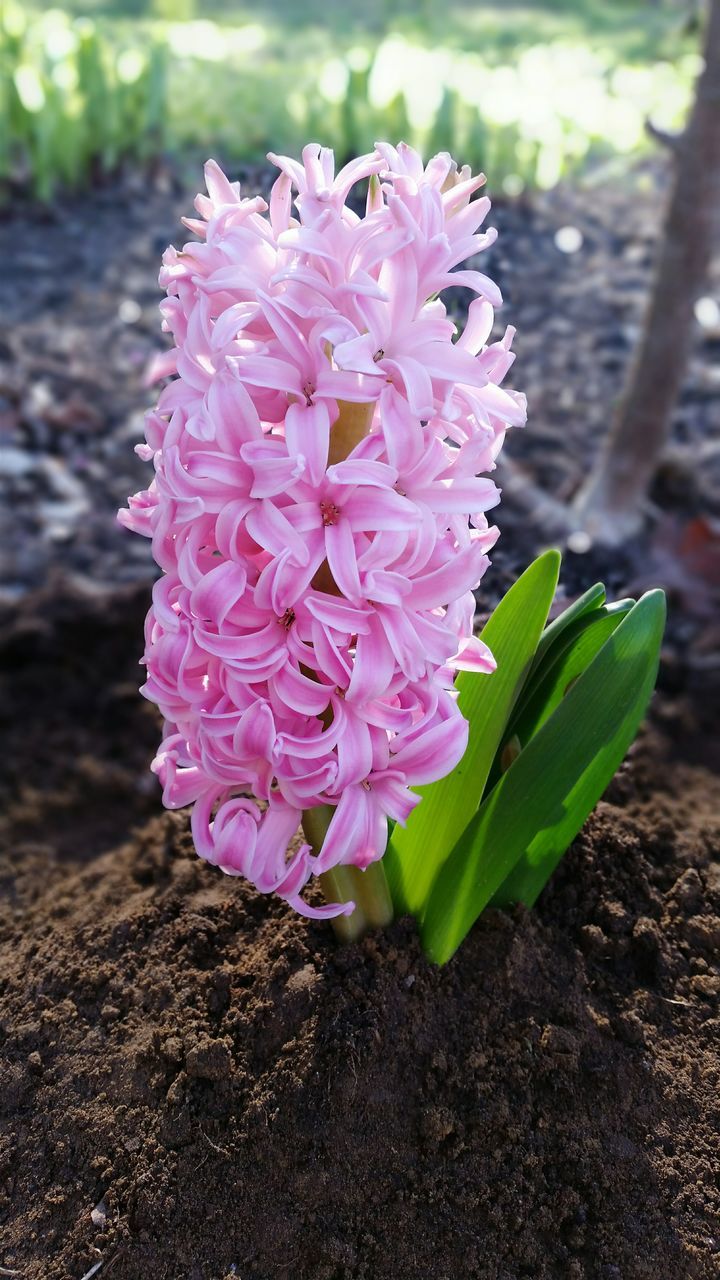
x=529 y=92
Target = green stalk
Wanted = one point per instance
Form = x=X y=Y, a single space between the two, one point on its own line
x=351 y=426
x=367 y=889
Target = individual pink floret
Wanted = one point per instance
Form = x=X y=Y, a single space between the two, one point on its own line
x=318 y=508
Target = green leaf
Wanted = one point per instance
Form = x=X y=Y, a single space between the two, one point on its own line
x=592 y=599
x=417 y=851
x=568 y=661
x=554 y=641
x=573 y=651
x=527 y=822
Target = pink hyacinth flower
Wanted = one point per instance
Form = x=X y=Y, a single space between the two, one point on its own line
x=318 y=508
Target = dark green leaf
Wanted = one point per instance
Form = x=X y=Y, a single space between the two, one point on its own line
x=592 y=599
x=572 y=652
x=568 y=661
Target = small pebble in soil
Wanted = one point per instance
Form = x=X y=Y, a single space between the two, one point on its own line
x=707 y=314
x=98 y=1216
x=129 y=311
x=568 y=239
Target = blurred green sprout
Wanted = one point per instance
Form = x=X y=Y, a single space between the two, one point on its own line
x=73 y=105
x=77 y=97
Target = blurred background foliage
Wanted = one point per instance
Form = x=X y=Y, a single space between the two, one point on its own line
x=530 y=92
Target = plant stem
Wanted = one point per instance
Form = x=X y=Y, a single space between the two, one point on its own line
x=367 y=889
x=372 y=890
x=351 y=426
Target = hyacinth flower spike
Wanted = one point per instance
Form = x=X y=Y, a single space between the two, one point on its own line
x=318 y=511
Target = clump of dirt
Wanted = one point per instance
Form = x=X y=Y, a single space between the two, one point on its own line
x=196 y=1084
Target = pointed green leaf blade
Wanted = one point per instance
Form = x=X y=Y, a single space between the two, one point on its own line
x=591 y=599
x=558 y=636
x=571 y=654
x=512 y=633
x=585 y=640
x=532 y=815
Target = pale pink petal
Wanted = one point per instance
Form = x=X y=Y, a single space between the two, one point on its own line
x=434 y=753
x=270 y=528
x=474 y=656
x=343 y=560
x=450 y=581
x=328 y=912
x=373 y=509
x=307 y=431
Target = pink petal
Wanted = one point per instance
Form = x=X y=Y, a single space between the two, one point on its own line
x=474 y=656
x=307 y=431
x=417 y=384
x=342 y=559
x=300 y=693
x=359 y=471
x=347 y=830
x=328 y=912
x=452 y=580
x=373 y=509
x=435 y=753
x=373 y=667
x=270 y=528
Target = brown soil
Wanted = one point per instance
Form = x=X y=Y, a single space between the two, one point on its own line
x=196 y=1084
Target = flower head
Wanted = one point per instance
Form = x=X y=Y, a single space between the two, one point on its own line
x=318 y=508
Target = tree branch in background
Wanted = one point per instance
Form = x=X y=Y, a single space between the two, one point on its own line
x=670 y=140
x=610 y=504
